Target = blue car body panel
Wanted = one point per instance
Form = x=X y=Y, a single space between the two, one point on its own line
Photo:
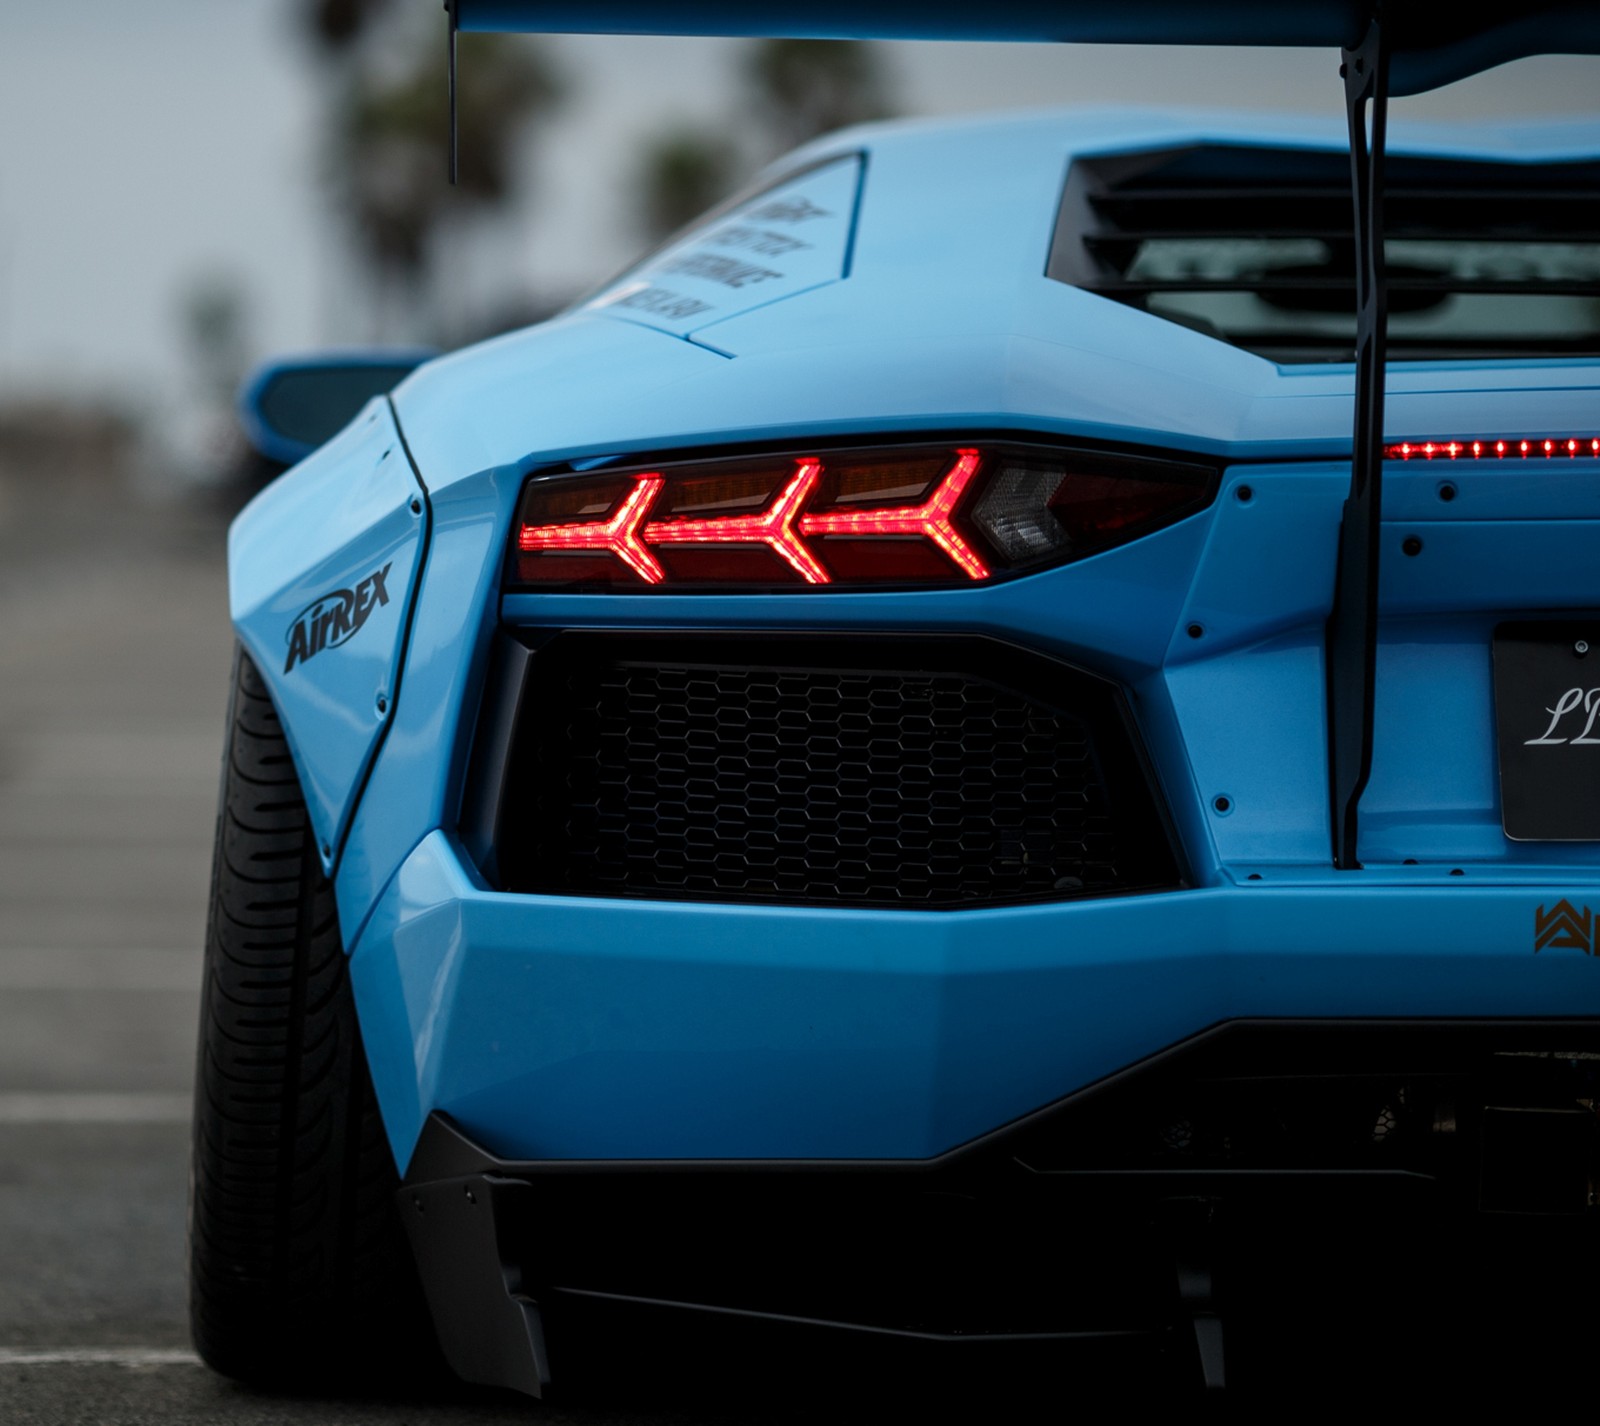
x=323 y=566
x=948 y=322
x=419 y=775
x=566 y=1027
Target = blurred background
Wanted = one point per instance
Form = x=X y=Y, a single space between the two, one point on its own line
x=186 y=188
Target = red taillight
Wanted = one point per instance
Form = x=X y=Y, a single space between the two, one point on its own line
x=773 y=526
x=903 y=515
x=931 y=520
x=617 y=534
x=1547 y=447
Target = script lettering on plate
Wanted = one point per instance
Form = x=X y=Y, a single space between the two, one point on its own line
x=1585 y=704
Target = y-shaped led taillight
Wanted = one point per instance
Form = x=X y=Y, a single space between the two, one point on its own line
x=900 y=515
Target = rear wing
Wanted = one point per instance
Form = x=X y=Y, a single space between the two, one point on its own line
x=1430 y=43
x=1386 y=47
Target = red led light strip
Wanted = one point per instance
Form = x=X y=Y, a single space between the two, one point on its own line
x=931 y=519
x=774 y=526
x=618 y=536
x=1547 y=448
x=780 y=526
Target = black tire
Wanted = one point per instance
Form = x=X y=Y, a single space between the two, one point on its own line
x=298 y=1269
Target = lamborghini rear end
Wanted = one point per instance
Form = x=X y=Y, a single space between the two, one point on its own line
x=842 y=819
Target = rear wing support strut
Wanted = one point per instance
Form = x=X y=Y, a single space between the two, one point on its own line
x=1352 y=635
x=452 y=28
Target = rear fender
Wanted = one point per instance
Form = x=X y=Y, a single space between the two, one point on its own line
x=322 y=574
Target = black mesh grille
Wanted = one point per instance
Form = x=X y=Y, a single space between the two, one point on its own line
x=708 y=770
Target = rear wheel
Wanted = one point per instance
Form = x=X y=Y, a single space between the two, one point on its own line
x=298 y=1268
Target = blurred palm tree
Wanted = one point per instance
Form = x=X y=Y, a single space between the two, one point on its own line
x=799 y=89
x=338 y=24
x=681 y=174
x=390 y=126
x=793 y=90
x=391 y=146
x=213 y=312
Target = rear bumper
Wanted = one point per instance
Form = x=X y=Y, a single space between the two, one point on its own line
x=1386 y=1173
x=565 y=1028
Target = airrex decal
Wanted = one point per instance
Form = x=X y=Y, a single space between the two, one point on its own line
x=335 y=617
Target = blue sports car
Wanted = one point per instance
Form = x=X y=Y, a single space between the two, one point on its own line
x=1003 y=732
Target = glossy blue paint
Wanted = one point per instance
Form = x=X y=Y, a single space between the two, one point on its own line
x=564 y=1027
x=1114 y=612
x=322 y=568
x=1237 y=711
x=946 y=322
x=561 y=1028
x=415 y=785
x=1250 y=696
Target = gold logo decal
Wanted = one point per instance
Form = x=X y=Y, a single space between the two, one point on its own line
x=1563 y=928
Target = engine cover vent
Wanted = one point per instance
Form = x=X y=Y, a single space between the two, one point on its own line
x=1256 y=247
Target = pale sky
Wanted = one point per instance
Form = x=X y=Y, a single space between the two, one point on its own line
x=149 y=143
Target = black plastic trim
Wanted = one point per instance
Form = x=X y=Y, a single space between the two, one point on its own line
x=992 y=1243
x=1140 y=809
x=1366 y=1046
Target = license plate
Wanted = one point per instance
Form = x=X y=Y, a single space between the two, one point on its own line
x=1547 y=716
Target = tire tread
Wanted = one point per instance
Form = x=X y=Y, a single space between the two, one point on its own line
x=298 y=1268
